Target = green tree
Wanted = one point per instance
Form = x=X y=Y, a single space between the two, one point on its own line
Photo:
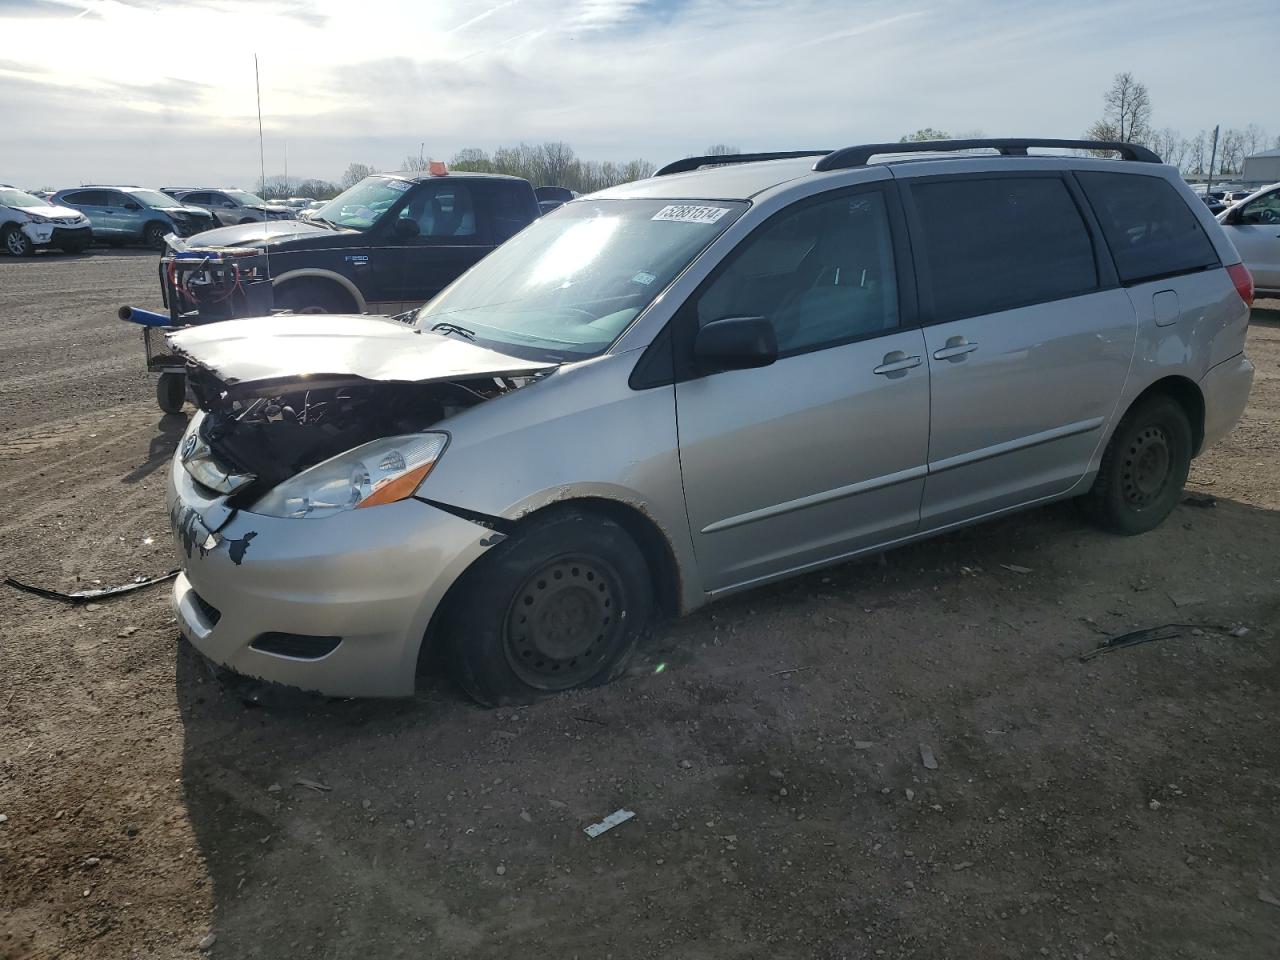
x=924 y=133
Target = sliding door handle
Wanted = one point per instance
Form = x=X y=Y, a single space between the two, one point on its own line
x=955 y=349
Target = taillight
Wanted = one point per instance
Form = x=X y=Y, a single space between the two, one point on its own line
x=1243 y=280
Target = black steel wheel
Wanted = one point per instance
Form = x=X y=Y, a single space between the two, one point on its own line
x=1143 y=468
x=561 y=623
x=559 y=604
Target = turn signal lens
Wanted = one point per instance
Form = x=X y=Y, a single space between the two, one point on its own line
x=389 y=491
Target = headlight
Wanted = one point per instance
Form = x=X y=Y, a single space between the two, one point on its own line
x=36 y=218
x=383 y=471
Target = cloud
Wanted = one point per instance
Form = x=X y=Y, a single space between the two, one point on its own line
x=138 y=88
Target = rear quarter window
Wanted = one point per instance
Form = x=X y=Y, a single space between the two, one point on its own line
x=1000 y=243
x=1148 y=226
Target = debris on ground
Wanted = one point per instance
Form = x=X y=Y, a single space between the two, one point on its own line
x=84 y=596
x=313 y=785
x=1186 y=599
x=863 y=744
x=1240 y=631
x=1135 y=637
x=1202 y=500
x=1266 y=896
x=207 y=941
x=608 y=823
x=927 y=758
x=1016 y=568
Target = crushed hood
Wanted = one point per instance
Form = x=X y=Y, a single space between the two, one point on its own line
x=256 y=234
x=322 y=348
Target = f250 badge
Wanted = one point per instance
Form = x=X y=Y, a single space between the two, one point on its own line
x=355 y=259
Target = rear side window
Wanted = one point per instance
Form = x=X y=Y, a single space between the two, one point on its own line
x=513 y=209
x=996 y=244
x=1148 y=226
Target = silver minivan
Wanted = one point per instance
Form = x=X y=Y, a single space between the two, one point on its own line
x=741 y=369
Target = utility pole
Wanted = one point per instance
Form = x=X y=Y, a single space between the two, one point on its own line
x=422 y=147
x=1213 y=155
x=286 y=168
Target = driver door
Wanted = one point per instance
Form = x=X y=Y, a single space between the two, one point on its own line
x=823 y=453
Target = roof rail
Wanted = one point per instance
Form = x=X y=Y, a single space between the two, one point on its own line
x=860 y=155
x=720 y=159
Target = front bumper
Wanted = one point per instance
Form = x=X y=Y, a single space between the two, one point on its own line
x=373 y=578
x=1225 y=389
x=52 y=234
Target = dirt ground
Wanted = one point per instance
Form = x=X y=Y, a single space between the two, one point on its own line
x=770 y=746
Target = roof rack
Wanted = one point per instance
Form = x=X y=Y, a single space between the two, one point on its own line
x=721 y=159
x=860 y=155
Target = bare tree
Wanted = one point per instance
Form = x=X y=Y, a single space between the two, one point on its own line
x=355 y=173
x=415 y=163
x=1127 y=114
x=721 y=150
x=558 y=163
x=471 y=159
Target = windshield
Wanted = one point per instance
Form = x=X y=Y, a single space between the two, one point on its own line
x=246 y=199
x=17 y=198
x=361 y=206
x=567 y=286
x=154 y=198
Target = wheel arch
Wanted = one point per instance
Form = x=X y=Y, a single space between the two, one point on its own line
x=1186 y=392
x=647 y=534
x=314 y=274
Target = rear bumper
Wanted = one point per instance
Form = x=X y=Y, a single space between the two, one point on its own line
x=371 y=578
x=1225 y=389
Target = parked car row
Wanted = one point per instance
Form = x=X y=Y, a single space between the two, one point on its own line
x=28 y=223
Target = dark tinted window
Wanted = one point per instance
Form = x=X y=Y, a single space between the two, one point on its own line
x=78 y=197
x=1150 y=230
x=513 y=209
x=196 y=198
x=823 y=274
x=996 y=244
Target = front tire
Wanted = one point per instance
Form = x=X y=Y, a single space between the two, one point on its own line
x=304 y=296
x=153 y=236
x=17 y=243
x=1143 y=468
x=560 y=604
x=171 y=392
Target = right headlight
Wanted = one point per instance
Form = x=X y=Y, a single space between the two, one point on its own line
x=382 y=471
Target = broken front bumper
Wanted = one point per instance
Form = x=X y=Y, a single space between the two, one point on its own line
x=263 y=596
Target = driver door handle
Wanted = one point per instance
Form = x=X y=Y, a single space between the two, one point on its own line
x=896 y=362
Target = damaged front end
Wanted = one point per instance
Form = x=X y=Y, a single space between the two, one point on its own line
x=331 y=425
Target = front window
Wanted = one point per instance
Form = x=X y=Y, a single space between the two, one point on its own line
x=18 y=198
x=245 y=199
x=153 y=198
x=566 y=287
x=361 y=206
x=1264 y=210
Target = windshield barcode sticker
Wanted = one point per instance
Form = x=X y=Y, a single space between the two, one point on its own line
x=400 y=186
x=690 y=213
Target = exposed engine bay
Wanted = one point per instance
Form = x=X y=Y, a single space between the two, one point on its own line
x=274 y=434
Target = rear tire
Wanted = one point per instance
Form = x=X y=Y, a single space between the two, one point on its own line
x=1143 y=468
x=312 y=296
x=561 y=604
x=171 y=392
x=17 y=243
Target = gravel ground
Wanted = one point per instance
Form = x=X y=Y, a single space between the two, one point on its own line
x=770 y=746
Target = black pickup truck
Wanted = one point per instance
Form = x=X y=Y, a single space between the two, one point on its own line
x=386 y=245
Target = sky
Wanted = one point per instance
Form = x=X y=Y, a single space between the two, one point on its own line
x=161 y=92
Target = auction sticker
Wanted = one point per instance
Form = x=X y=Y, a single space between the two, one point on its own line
x=690 y=213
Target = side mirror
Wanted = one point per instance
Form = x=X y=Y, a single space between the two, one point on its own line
x=228 y=205
x=405 y=229
x=735 y=343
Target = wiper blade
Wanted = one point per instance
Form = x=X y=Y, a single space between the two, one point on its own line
x=446 y=327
